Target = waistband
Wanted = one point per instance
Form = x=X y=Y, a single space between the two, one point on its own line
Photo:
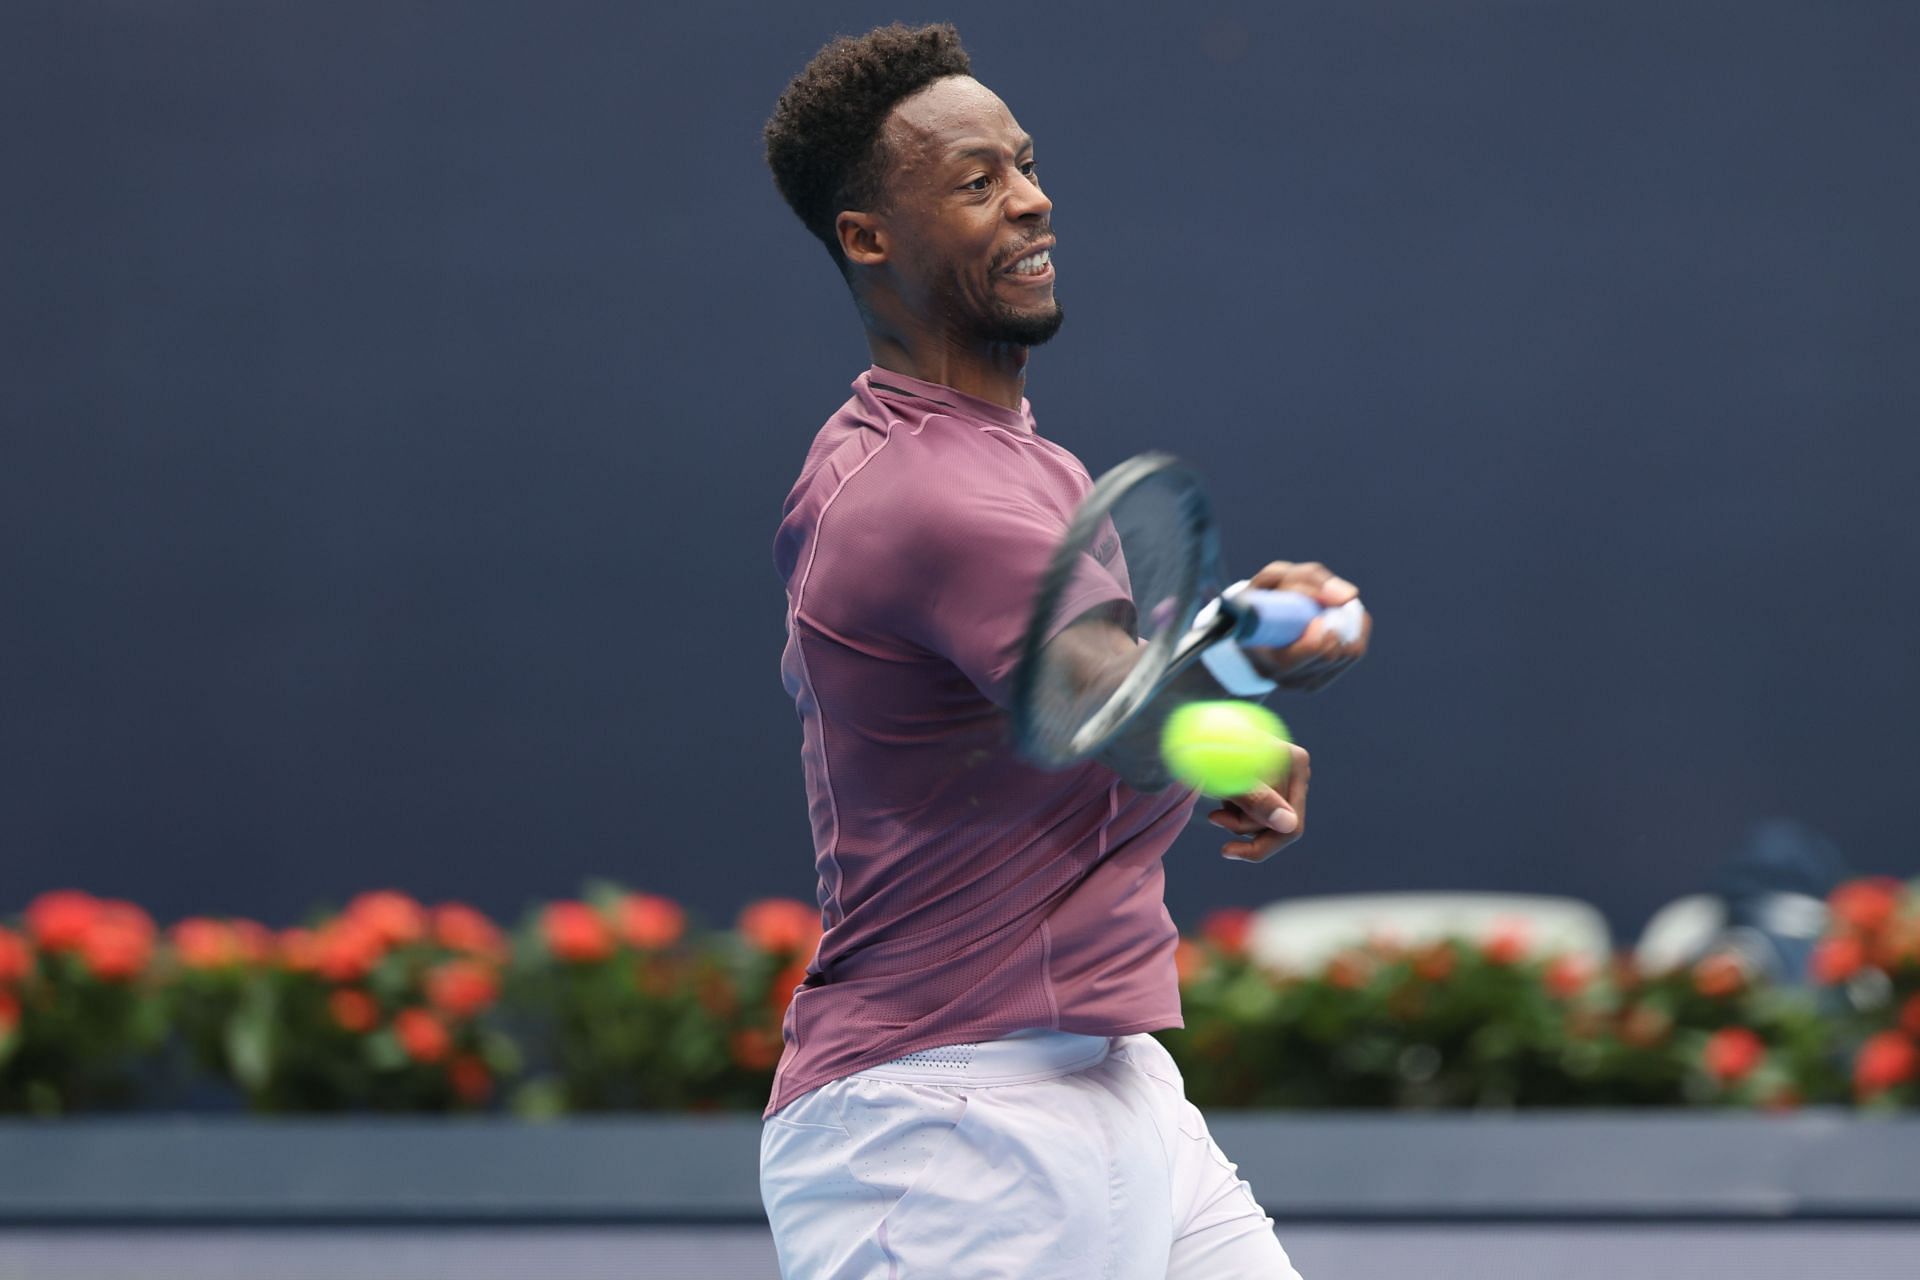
x=1024 y=1056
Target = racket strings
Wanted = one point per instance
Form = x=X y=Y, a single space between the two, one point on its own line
x=1124 y=591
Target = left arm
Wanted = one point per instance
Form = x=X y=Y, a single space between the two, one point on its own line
x=1318 y=657
x=1267 y=820
x=1100 y=652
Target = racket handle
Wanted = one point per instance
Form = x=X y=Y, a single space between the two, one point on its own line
x=1276 y=619
x=1273 y=620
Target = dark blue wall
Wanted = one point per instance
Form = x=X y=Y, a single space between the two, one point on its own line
x=398 y=401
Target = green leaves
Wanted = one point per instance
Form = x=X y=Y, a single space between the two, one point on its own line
x=1483 y=1023
x=248 y=1037
x=611 y=1002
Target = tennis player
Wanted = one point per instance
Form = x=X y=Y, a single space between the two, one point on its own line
x=967 y=1087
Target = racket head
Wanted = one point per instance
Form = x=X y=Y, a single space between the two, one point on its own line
x=1118 y=598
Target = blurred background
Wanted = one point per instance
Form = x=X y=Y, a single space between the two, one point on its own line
x=399 y=401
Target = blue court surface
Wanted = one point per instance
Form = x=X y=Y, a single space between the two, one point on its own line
x=1857 y=1251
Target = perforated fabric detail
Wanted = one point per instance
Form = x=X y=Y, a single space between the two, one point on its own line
x=955 y=1057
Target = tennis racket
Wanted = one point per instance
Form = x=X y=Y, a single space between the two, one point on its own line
x=1130 y=600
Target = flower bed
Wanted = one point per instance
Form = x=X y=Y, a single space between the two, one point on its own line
x=613 y=1002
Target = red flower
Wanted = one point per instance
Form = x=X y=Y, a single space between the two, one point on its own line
x=16 y=956
x=471 y=1078
x=1837 y=959
x=1865 y=905
x=1567 y=976
x=58 y=920
x=422 y=1035
x=1732 y=1053
x=1435 y=963
x=299 y=950
x=756 y=1048
x=9 y=1012
x=203 y=944
x=786 y=984
x=1189 y=961
x=118 y=941
x=576 y=932
x=1719 y=975
x=1885 y=1060
x=1350 y=970
x=1645 y=1027
x=780 y=925
x=252 y=941
x=393 y=917
x=649 y=923
x=1507 y=943
x=458 y=927
x=1898 y=944
x=1910 y=1016
x=353 y=1010
x=462 y=988
x=1228 y=930
x=347 y=950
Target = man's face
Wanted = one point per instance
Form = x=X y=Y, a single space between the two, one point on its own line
x=970 y=225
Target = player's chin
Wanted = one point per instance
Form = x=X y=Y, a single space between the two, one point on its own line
x=1029 y=324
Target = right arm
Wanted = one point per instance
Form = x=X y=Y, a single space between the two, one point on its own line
x=1096 y=653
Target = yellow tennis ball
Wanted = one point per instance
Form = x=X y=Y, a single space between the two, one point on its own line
x=1225 y=748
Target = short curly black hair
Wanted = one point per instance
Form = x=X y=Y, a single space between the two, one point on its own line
x=824 y=140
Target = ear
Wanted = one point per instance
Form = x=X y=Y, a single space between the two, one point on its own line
x=863 y=238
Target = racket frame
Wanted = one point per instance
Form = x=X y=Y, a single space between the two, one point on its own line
x=1166 y=655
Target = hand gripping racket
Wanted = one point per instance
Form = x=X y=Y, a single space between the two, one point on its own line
x=1130 y=600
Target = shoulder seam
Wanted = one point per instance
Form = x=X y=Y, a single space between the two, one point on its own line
x=794 y=617
x=813 y=549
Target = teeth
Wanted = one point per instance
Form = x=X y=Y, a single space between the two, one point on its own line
x=1034 y=264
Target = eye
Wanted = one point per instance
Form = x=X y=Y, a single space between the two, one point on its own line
x=978 y=184
x=1032 y=169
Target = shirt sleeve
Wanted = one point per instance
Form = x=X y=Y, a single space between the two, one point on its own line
x=954 y=573
x=988 y=571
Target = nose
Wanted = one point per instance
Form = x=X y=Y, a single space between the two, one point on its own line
x=1027 y=201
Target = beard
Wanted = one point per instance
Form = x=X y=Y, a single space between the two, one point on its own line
x=1020 y=328
x=995 y=322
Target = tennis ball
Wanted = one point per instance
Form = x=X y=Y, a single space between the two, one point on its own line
x=1225 y=748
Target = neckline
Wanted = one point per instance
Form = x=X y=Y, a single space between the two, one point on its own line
x=882 y=381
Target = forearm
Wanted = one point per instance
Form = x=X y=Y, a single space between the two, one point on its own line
x=1092 y=658
x=1135 y=754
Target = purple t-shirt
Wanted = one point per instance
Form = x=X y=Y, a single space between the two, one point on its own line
x=965 y=893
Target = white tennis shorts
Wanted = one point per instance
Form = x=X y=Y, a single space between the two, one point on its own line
x=1045 y=1155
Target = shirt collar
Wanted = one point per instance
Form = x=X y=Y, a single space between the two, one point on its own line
x=884 y=381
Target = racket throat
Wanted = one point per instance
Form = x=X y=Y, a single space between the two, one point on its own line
x=1220 y=625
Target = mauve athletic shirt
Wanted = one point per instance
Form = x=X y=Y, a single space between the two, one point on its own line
x=965 y=894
